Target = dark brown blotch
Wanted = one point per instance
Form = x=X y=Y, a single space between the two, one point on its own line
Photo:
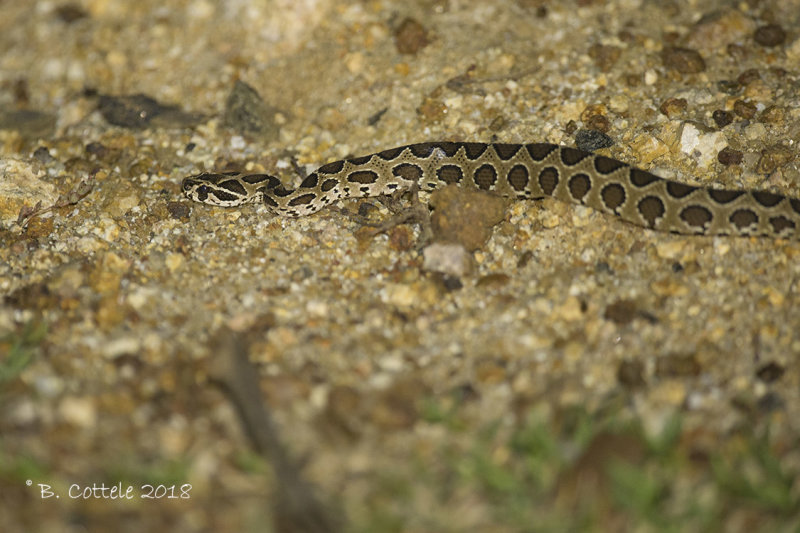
x=270 y=201
x=767 y=199
x=641 y=178
x=518 y=177
x=331 y=168
x=391 y=153
x=722 y=196
x=311 y=181
x=572 y=156
x=281 y=191
x=781 y=223
x=548 y=180
x=362 y=160
x=449 y=148
x=450 y=174
x=743 y=218
x=408 y=172
x=795 y=203
x=362 y=176
x=303 y=199
x=539 y=151
x=254 y=179
x=233 y=186
x=679 y=190
x=613 y=195
x=223 y=196
x=579 y=185
x=485 y=177
x=651 y=208
x=696 y=216
x=506 y=151
x=422 y=150
x=606 y=165
x=328 y=184
x=474 y=150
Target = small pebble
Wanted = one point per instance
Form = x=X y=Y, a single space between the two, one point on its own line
x=684 y=60
x=770 y=372
x=410 y=37
x=770 y=35
x=591 y=140
x=744 y=109
x=604 y=56
x=672 y=107
x=773 y=157
x=246 y=112
x=722 y=118
x=728 y=156
x=748 y=76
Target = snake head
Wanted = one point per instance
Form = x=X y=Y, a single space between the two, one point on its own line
x=195 y=189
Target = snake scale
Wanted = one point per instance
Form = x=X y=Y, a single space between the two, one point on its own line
x=521 y=171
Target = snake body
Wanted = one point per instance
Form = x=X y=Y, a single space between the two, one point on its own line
x=521 y=171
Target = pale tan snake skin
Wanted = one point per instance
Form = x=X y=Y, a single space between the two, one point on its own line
x=520 y=171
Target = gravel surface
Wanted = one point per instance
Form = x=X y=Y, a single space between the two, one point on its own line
x=352 y=333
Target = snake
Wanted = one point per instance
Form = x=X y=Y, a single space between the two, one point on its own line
x=524 y=171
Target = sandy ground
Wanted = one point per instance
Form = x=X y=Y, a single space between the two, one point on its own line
x=350 y=334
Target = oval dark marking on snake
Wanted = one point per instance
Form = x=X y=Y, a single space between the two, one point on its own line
x=572 y=156
x=407 y=171
x=651 y=208
x=485 y=177
x=474 y=150
x=606 y=165
x=548 y=180
x=540 y=151
x=724 y=196
x=331 y=168
x=640 y=178
x=579 y=185
x=679 y=190
x=328 y=184
x=223 y=196
x=253 y=179
x=518 y=177
x=450 y=174
x=362 y=176
x=281 y=191
x=767 y=199
x=270 y=201
x=302 y=199
x=357 y=161
x=743 y=218
x=795 y=203
x=391 y=153
x=233 y=186
x=449 y=148
x=310 y=181
x=506 y=151
x=696 y=216
x=613 y=195
x=781 y=223
x=422 y=150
